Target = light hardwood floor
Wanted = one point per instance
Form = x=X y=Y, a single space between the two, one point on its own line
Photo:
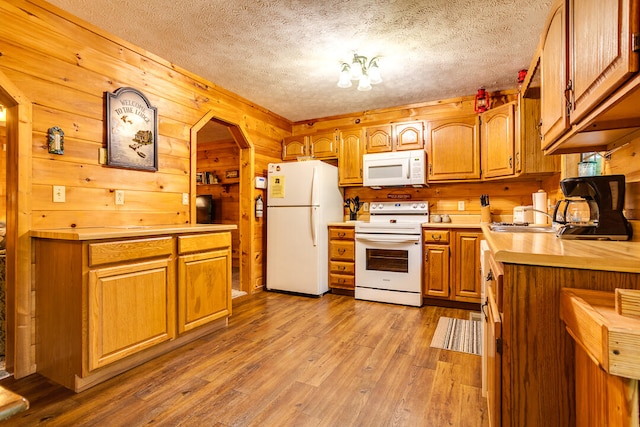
x=285 y=361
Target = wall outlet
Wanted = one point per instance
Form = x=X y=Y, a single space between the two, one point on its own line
x=119 y=197
x=59 y=195
x=461 y=205
x=185 y=199
x=365 y=207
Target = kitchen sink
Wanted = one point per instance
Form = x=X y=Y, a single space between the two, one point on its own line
x=514 y=228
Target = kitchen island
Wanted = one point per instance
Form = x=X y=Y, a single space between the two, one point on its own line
x=534 y=361
x=111 y=298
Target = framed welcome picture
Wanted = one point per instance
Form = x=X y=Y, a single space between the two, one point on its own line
x=132 y=130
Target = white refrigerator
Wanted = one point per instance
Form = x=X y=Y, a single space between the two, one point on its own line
x=302 y=198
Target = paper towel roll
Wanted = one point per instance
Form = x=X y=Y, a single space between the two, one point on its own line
x=540 y=204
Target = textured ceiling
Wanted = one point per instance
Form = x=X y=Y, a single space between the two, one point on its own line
x=285 y=55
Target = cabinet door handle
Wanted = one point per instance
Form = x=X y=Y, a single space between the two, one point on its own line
x=341 y=267
x=430 y=169
x=436 y=237
x=426 y=257
x=510 y=162
x=341 y=234
x=341 y=251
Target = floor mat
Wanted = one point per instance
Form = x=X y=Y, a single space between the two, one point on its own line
x=458 y=335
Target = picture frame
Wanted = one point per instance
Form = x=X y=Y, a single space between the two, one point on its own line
x=132 y=130
x=232 y=174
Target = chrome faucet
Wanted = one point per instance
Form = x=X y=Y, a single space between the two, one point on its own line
x=527 y=208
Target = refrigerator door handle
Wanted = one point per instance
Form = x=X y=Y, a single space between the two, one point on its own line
x=314 y=225
x=314 y=193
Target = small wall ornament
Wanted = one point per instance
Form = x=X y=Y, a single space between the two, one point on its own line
x=132 y=130
x=56 y=140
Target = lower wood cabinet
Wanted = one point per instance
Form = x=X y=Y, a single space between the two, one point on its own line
x=342 y=256
x=451 y=264
x=204 y=271
x=106 y=306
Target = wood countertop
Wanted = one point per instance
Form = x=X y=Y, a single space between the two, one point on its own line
x=97 y=233
x=545 y=249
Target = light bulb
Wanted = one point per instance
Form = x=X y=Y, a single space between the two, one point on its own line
x=345 y=77
x=356 y=68
x=364 y=84
x=374 y=74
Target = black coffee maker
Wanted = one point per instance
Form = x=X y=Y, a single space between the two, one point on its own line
x=592 y=208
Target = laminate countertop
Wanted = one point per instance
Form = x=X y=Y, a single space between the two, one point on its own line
x=113 y=232
x=545 y=249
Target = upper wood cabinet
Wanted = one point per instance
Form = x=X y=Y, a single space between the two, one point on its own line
x=601 y=49
x=511 y=141
x=294 y=147
x=379 y=139
x=498 y=141
x=453 y=148
x=395 y=137
x=409 y=136
x=589 y=82
x=554 y=116
x=350 y=151
x=319 y=146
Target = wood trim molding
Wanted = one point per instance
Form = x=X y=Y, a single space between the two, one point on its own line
x=19 y=356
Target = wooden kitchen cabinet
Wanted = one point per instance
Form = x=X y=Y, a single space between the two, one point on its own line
x=409 y=136
x=350 y=151
x=466 y=265
x=603 y=54
x=108 y=304
x=511 y=141
x=342 y=257
x=204 y=272
x=537 y=360
x=319 y=146
x=554 y=62
x=294 y=147
x=498 y=141
x=453 y=149
x=493 y=357
x=436 y=263
x=130 y=306
x=395 y=137
x=589 y=82
x=451 y=264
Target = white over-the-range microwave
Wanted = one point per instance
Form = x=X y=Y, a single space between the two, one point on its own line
x=394 y=169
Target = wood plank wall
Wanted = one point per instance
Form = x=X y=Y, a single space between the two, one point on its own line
x=3 y=175
x=64 y=66
x=81 y=64
x=218 y=157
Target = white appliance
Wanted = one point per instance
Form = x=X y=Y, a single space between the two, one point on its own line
x=302 y=198
x=394 y=169
x=389 y=253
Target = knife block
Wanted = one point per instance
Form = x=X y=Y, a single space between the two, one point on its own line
x=485 y=214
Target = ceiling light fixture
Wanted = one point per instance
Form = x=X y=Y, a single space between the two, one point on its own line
x=366 y=72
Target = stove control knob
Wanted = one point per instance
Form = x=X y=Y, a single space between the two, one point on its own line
x=414 y=206
x=423 y=205
x=373 y=206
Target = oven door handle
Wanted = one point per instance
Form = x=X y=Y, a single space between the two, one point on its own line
x=379 y=239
